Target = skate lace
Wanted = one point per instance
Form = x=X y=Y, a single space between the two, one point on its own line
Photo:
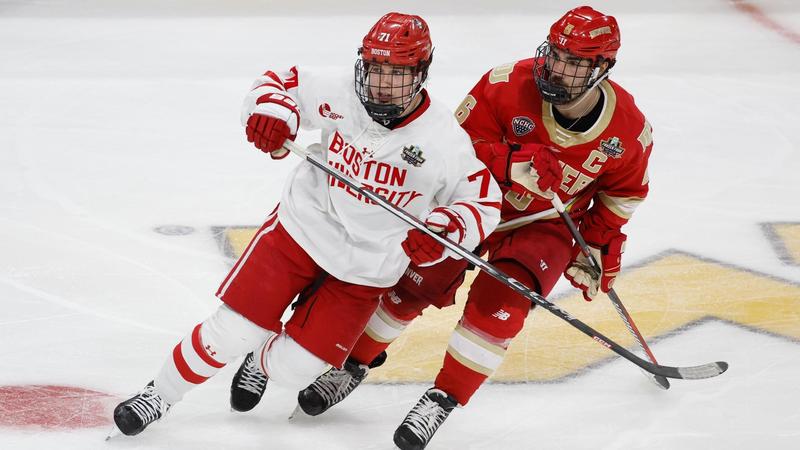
x=335 y=385
x=148 y=405
x=425 y=418
x=252 y=379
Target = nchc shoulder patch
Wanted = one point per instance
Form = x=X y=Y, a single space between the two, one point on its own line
x=522 y=125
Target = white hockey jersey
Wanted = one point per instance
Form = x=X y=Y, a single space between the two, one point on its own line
x=424 y=163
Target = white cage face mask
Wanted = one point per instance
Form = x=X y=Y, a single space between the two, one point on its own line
x=561 y=77
x=386 y=90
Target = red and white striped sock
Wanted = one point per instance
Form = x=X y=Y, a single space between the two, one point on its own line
x=220 y=339
x=190 y=364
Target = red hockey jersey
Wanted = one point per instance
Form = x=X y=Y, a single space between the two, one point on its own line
x=606 y=164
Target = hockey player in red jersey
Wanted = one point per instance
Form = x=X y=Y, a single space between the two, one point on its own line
x=556 y=108
x=326 y=244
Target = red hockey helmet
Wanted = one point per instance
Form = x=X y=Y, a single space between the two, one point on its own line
x=584 y=33
x=398 y=40
x=587 y=33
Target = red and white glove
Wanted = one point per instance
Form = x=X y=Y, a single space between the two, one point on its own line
x=423 y=249
x=275 y=119
x=526 y=168
x=580 y=273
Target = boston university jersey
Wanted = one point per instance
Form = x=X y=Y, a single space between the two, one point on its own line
x=424 y=162
x=607 y=162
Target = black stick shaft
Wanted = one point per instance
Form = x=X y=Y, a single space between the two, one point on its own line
x=697 y=372
x=612 y=294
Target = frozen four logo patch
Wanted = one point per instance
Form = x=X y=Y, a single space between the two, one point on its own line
x=522 y=125
x=413 y=155
x=612 y=147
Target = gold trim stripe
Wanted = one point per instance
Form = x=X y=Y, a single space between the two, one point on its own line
x=382 y=327
x=375 y=337
x=541 y=215
x=388 y=319
x=464 y=361
x=480 y=342
x=565 y=138
x=621 y=206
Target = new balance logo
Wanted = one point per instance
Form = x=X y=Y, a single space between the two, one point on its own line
x=501 y=315
x=543 y=265
x=394 y=298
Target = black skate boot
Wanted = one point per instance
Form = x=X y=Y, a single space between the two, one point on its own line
x=335 y=385
x=423 y=420
x=248 y=385
x=134 y=415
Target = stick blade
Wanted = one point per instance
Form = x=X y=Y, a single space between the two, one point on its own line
x=661 y=382
x=703 y=371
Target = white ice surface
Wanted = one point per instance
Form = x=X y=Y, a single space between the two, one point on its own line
x=117 y=117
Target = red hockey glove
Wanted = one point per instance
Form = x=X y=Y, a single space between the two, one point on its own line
x=580 y=273
x=275 y=119
x=536 y=168
x=423 y=249
x=527 y=168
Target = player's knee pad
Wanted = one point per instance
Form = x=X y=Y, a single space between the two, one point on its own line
x=289 y=364
x=229 y=335
x=495 y=309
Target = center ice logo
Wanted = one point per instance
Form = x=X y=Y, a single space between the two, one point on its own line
x=699 y=280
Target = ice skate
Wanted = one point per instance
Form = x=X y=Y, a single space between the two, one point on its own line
x=248 y=385
x=423 y=420
x=134 y=415
x=331 y=388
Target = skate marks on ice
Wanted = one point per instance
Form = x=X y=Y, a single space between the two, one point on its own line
x=667 y=294
x=54 y=408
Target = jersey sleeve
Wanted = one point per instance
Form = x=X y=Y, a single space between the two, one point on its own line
x=474 y=196
x=478 y=117
x=287 y=82
x=476 y=113
x=619 y=192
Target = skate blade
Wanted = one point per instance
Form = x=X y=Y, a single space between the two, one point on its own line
x=114 y=432
x=298 y=413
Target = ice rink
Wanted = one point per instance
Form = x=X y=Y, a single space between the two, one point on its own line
x=125 y=177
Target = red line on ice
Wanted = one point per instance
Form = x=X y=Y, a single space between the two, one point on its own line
x=759 y=16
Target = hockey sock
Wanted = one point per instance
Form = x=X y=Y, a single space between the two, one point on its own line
x=493 y=315
x=385 y=325
x=218 y=340
x=367 y=349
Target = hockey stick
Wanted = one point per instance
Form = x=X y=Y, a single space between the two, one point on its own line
x=688 y=373
x=615 y=300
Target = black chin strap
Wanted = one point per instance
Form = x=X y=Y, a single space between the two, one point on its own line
x=393 y=123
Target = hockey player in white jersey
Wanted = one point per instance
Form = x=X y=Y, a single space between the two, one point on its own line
x=326 y=244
